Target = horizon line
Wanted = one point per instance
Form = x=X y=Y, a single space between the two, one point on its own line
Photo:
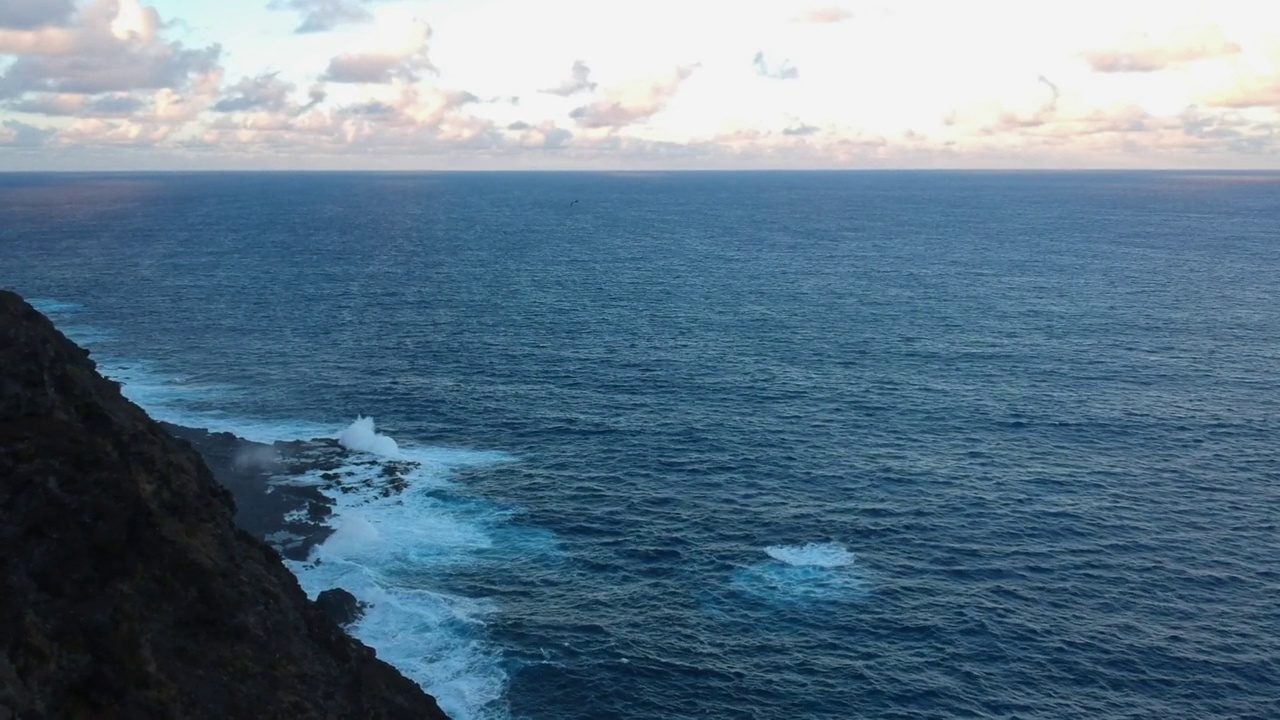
x=637 y=171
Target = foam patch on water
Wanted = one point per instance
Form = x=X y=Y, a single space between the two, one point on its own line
x=811 y=555
x=362 y=437
x=814 y=572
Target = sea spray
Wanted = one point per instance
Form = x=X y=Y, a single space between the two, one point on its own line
x=362 y=437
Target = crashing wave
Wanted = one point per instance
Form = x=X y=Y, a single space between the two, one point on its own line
x=362 y=437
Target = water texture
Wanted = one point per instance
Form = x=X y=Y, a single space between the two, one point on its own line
x=806 y=445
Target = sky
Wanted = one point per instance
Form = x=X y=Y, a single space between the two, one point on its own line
x=638 y=84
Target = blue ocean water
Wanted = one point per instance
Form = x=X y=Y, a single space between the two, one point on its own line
x=804 y=445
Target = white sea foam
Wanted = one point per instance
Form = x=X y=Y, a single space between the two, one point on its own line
x=350 y=535
x=390 y=551
x=802 y=574
x=811 y=555
x=362 y=437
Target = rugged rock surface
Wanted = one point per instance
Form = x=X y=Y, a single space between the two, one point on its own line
x=284 y=491
x=288 y=517
x=340 y=606
x=128 y=592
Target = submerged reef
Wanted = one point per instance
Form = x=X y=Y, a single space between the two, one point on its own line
x=128 y=589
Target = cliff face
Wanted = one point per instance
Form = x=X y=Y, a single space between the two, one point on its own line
x=127 y=592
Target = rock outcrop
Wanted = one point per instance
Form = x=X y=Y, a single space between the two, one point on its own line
x=128 y=592
x=340 y=606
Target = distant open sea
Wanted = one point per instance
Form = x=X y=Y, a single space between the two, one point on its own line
x=739 y=445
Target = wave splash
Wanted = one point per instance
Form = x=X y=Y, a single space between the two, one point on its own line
x=361 y=436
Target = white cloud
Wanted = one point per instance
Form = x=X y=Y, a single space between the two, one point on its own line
x=21 y=135
x=324 y=15
x=112 y=46
x=1149 y=55
x=824 y=15
x=95 y=131
x=405 y=64
x=30 y=14
x=579 y=80
x=917 y=82
x=632 y=103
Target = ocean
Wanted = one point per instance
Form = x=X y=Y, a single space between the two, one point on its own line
x=736 y=445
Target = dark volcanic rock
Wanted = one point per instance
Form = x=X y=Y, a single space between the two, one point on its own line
x=269 y=511
x=128 y=592
x=284 y=491
x=340 y=606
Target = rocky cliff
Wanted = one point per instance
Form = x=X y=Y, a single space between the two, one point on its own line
x=127 y=591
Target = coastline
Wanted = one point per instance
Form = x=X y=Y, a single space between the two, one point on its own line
x=280 y=488
x=132 y=589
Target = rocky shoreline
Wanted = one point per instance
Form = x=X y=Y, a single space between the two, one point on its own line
x=136 y=580
x=284 y=490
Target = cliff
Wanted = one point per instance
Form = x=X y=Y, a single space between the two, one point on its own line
x=128 y=592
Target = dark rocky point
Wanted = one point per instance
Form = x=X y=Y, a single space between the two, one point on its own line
x=128 y=590
x=340 y=606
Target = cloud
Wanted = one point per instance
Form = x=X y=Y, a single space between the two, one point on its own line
x=785 y=71
x=30 y=14
x=1254 y=91
x=1110 y=121
x=1200 y=44
x=372 y=68
x=409 y=110
x=429 y=107
x=555 y=137
x=543 y=136
x=22 y=135
x=111 y=105
x=112 y=73
x=1125 y=132
x=632 y=104
x=115 y=104
x=1231 y=130
x=324 y=15
x=112 y=46
x=315 y=96
x=802 y=130
x=95 y=131
x=1053 y=103
x=406 y=121
x=264 y=92
x=1045 y=110
x=384 y=67
x=374 y=108
x=578 y=81
x=823 y=16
